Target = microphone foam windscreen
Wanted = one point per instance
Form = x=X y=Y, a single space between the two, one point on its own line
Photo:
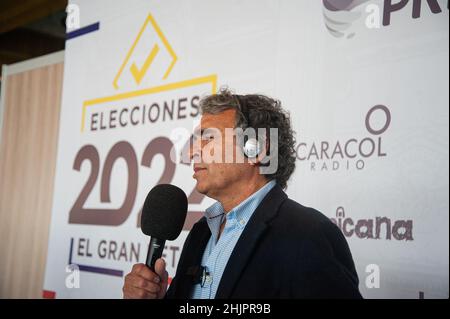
x=164 y=212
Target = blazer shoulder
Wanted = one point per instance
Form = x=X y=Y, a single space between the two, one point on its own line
x=318 y=235
x=309 y=224
x=300 y=215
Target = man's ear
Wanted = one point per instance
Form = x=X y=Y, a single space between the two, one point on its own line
x=264 y=147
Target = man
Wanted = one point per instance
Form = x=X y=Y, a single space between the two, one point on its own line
x=254 y=242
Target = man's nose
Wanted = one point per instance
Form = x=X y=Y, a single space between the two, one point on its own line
x=195 y=150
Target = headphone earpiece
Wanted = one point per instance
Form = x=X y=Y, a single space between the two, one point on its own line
x=251 y=148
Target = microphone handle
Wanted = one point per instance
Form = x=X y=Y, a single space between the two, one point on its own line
x=155 y=251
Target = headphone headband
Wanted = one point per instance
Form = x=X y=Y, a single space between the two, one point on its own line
x=251 y=147
x=243 y=107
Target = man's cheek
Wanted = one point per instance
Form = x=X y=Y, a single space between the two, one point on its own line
x=229 y=154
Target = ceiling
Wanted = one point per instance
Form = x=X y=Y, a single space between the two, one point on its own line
x=31 y=28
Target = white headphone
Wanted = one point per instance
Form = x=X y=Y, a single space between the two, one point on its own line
x=252 y=148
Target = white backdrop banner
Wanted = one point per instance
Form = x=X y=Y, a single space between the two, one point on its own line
x=366 y=83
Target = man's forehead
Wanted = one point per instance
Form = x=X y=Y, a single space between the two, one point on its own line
x=222 y=120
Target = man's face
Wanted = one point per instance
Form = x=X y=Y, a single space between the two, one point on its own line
x=215 y=174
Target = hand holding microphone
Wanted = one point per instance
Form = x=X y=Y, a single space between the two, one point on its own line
x=163 y=217
x=143 y=283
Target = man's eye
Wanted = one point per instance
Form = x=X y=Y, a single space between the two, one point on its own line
x=208 y=137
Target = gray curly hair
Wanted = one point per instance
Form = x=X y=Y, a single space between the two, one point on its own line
x=262 y=112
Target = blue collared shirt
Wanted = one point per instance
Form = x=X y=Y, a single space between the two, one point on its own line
x=218 y=250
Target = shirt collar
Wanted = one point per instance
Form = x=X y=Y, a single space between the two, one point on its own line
x=240 y=215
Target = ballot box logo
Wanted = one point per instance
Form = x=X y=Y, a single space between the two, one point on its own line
x=144 y=92
x=149 y=45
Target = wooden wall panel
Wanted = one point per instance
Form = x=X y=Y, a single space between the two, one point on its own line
x=27 y=168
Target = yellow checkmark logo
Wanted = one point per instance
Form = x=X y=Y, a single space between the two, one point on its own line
x=137 y=73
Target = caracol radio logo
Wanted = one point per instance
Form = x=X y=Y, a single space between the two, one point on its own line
x=340 y=15
x=351 y=152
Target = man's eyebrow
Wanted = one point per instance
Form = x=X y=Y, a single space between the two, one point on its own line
x=206 y=130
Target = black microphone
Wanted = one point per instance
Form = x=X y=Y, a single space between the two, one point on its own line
x=162 y=218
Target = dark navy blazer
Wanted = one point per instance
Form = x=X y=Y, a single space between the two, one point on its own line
x=285 y=251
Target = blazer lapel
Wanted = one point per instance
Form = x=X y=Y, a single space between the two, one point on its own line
x=248 y=240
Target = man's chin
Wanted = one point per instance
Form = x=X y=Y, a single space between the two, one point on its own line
x=201 y=188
